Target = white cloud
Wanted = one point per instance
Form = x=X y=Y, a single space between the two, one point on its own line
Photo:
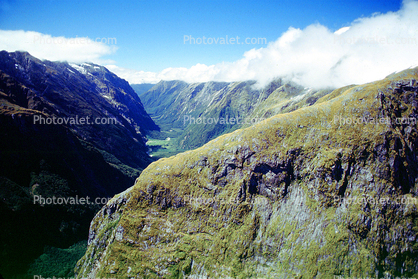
x=198 y=72
x=370 y=49
x=134 y=76
x=42 y=46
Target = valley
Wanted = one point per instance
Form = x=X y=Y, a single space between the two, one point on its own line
x=61 y=159
x=203 y=140
x=181 y=110
x=260 y=201
x=195 y=193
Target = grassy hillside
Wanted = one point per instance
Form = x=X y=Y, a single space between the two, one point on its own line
x=193 y=114
x=324 y=190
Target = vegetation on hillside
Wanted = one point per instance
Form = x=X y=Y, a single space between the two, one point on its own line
x=264 y=201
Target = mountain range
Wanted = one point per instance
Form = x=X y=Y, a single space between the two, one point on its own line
x=324 y=191
x=311 y=183
x=193 y=114
x=47 y=151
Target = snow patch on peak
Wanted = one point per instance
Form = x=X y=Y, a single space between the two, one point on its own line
x=79 y=68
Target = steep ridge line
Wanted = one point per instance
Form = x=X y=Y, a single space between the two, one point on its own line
x=266 y=200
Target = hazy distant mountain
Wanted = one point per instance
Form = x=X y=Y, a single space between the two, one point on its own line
x=38 y=157
x=177 y=104
x=325 y=190
x=142 y=88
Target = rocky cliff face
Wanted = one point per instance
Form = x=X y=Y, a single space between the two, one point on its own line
x=61 y=160
x=65 y=90
x=329 y=189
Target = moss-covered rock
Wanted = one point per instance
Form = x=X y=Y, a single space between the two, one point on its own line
x=324 y=190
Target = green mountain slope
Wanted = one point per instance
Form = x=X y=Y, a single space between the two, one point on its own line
x=141 y=88
x=196 y=113
x=321 y=191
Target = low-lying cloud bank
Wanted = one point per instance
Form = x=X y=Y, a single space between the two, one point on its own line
x=369 y=49
x=42 y=46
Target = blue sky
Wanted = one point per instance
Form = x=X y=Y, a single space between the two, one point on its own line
x=150 y=34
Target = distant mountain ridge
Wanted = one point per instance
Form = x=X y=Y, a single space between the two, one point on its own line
x=323 y=191
x=68 y=90
x=172 y=104
x=141 y=88
x=95 y=160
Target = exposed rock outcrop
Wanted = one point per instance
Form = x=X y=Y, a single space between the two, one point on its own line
x=330 y=189
x=57 y=159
